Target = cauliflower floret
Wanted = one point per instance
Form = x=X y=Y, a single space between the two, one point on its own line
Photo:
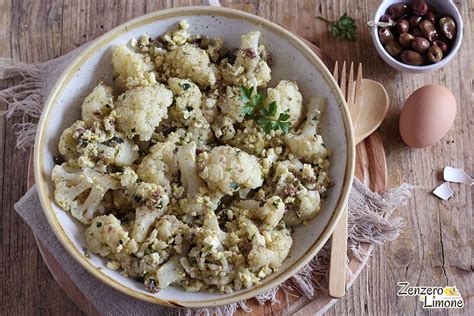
x=270 y=156
x=302 y=204
x=310 y=204
x=150 y=263
x=187 y=104
x=231 y=104
x=270 y=213
x=126 y=152
x=199 y=132
x=97 y=148
x=97 y=104
x=288 y=99
x=189 y=61
x=169 y=226
x=229 y=169
x=248 y=66
x=305 y=207
x=106 y=235
x=128 y=177
x=209 y=108
x=308 y=145
x=132 y=68
x=223 y=128
x=152 y=201
x=68 y=143
x=208 y=259
x=118 y=150
x=160 y=166
x=71 y=187
x=269 y=248
x=214 y=237
x=189 y=174
x=141 y=110
x=170 y=272
x=278 y=247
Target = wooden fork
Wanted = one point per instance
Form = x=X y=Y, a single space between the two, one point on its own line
x=352 y=91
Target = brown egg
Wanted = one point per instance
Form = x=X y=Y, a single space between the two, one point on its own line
x=427 y=116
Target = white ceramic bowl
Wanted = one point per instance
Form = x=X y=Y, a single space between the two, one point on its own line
x=293 y=60
x=443 y=6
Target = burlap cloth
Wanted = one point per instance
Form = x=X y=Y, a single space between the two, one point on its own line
x=370 y=219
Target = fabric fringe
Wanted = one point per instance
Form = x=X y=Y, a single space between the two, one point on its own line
x=24 y=98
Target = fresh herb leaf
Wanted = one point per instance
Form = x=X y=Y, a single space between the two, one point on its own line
x=246 y=94
x=255 y=109
x=248 y=110
x=285 y=127
x=272 y=108
x=345 y=28
x=257 y=99
x=283 y=117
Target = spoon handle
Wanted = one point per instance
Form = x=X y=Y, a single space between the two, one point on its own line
x=337 y=265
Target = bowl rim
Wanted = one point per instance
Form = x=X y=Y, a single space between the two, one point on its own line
x=383 y=6
x=42 y=179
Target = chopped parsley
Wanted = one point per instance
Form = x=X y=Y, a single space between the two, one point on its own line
x=185 y=86
x=189 y=108
x=159 y=205
x=255 y=109
x=234 y=186
x=98 y=224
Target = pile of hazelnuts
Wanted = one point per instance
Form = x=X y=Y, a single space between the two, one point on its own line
x=417 y=35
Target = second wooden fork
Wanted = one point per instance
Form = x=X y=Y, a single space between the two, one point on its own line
x=352 y=92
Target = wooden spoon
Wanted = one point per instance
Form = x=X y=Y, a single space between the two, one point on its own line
x=375 y=104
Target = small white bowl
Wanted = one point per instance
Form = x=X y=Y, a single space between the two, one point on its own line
x=442 y=6
x=293 y=61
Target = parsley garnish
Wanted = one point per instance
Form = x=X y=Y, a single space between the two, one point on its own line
x=344 y=28
x=255 y=109
x=185 y=86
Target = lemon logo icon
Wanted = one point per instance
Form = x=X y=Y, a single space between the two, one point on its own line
x=450 y=291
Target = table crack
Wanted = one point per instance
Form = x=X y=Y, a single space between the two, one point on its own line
x=443 y=266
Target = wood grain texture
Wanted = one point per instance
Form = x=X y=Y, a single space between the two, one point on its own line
x=435 y=247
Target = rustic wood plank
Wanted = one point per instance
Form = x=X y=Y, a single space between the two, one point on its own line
x=434 y=249
x=27 y=286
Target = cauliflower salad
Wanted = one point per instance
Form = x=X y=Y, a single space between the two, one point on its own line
x=189 y=170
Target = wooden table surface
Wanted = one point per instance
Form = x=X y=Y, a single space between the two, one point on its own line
x=435 y=247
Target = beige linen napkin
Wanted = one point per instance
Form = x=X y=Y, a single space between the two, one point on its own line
x=370 y=218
